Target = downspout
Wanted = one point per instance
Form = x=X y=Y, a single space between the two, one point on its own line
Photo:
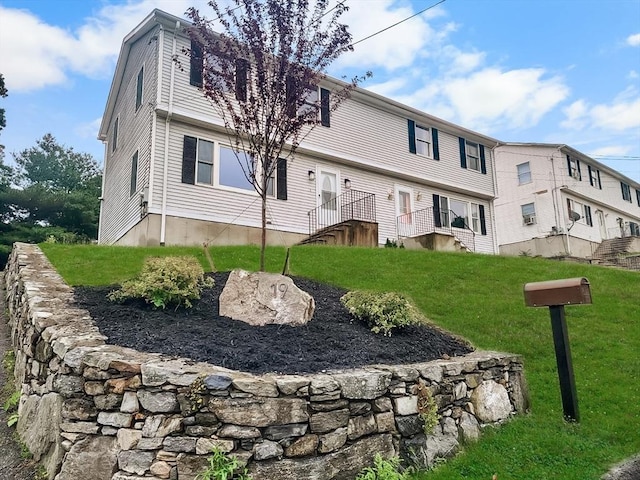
x=557 y=202
x=165 y=173
x=492 y=206
x=104 y=175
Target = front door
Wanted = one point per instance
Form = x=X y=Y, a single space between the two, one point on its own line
x=404 y=209
x=601 y=224
x=327 y=189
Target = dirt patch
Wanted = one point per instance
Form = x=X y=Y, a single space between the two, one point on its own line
x=331 y=340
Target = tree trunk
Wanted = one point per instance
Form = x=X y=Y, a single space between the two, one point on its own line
x=263 y=238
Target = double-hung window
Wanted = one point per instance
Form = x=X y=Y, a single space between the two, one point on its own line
x=450 y=212
x=114 y=135
x=423 y=140
x=134 y=174
x=587 y=215
x=197 y=161
x=524 y=173
x=573 y=167
x=594 y=177
x=528 y=214
x=139 y=84
x=626 y=192
x=472 y=156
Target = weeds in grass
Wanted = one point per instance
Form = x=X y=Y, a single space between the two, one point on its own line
x=384 y=470
x=223 y=467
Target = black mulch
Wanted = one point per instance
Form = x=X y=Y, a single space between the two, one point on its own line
x=331 y=340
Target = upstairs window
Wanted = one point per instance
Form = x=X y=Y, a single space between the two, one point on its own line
x=114 y=135
x=472 y=156
x=638 y=197
x=423 y=140
x=573 y=167
x=196 y=64
x=528 y=214
x=626 y=192
x=134 y=174
x=594 y=177
x=139 y=83
x=524 y=173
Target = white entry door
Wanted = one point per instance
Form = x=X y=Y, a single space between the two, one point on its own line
x=327 y=191
x=601 y=224
x=404 y=209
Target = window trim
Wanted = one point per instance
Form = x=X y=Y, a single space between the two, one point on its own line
x=114 y=134
x=532 y=217
x=573 y=168
x=626 y=192
x=439 y=216
x=464 y=160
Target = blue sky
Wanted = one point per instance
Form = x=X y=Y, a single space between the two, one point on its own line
x=550 y=71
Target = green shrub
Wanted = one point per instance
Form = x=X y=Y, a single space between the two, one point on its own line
x=223 y=467
x=165 y=281
x=383 y=470
x=427 y=409
x=381 y=311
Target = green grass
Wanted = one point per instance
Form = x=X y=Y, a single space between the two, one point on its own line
x=479 y=297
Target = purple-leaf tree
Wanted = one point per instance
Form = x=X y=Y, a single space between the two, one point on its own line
x=261 y=74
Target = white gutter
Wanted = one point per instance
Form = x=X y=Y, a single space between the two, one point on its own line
x=165 y=173
x=492 y=202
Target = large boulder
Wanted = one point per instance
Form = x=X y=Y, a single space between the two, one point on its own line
x=265 y=298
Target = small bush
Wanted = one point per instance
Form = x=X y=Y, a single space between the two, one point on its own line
x=165 y=281
x=383 y=470
x=223 y=467
x=381 y=311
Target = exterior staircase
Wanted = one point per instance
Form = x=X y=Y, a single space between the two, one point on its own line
x=348 y=233
x=619 y=252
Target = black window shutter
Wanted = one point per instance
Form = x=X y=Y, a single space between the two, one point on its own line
x=463 y=152
x=436 y=146
x=569 y=207
x=590 y=177
x=412 y=135
x=622 y=188
x=134 y=174
x=579 y=172
x=483 y=221
x=436 y=210
x=569 y=165
x=281 y=177
x=483 y=162
x=195 y=73
x=587 y=211
x=139 y=83
x=638 y=197
x=189 y=160
x=242 y=66
x=600 y=182
x=325 y=118
x=290 y=94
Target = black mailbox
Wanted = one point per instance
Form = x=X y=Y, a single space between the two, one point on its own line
x=568 y=291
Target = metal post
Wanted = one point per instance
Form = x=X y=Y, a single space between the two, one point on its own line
x=565 y=366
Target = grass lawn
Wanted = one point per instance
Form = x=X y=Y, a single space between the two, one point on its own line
x=479 y=297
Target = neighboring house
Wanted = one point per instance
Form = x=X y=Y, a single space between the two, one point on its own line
x=170 y=176
x=556 y=201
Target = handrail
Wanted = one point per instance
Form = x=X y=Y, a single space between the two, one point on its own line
x=351 y=205
x=434 y=220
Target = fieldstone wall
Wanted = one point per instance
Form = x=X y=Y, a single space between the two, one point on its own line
x=92 y=410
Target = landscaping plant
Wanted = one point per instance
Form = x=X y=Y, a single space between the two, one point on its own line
x=223 y=467
x=381 y=311
x=165 y=281
x=383 y=470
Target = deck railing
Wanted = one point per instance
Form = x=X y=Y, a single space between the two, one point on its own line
x=351 y=205
x=433 y=220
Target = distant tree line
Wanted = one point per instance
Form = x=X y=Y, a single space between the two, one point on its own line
x=50 y=194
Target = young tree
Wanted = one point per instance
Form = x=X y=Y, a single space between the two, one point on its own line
x=262 y=73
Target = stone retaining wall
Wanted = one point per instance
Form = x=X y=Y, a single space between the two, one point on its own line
x=92 y=410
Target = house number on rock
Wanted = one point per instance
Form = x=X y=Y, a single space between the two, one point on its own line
x=278 y=290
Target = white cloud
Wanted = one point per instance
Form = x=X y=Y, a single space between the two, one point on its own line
x=611 y=151
x=49 y=54
x=394 y=48
x=622 y=114
x=88 y=129
x=633 y=75
x=389 y=87
x=634 y=40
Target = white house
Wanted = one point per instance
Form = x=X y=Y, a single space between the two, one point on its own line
x=170 y=176
x=554 y=201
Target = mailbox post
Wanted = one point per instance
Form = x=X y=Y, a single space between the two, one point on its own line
x=555 y=294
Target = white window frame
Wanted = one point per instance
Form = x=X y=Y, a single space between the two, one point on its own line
x=574 y=172
x=578 y=208
x=425 y=142
x=475 y=217
x=409 y=191
x=626 y=192
x=199 y=161
x=473 y=159
x=528 y=214
x=524 y=177
x=593 y=180
x=217 y=170
x=133 y=180
x=472 y=210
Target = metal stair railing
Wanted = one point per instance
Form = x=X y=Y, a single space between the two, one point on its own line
x=433 y=220
x=351 y=205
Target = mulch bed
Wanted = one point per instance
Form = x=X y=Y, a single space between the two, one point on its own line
x=331 y=340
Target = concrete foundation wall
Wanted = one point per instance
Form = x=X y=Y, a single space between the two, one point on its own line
x=189 y=231
x=553 y=246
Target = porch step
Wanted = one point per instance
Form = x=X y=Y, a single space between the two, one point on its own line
x=348 y=233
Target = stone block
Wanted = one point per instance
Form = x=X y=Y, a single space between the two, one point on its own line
x=280 y=432
x=135 y=461
x=385 y=422
x=158 y=402
x=332 y=441
x=256 y=386
x=238 y=432
x=259 y=412
x=303 y=446
x=323 y=422
x=179 y=444
x=361 y=426
x=264 y=298
x=79 y=409
x=205 y=446
x=491 y=402
x=407 y=405
x=161 y=426
x=289 y=385
x=115 y=419
x=128 y=438
x=363 y=384
x=266 y=450
x=97 y=455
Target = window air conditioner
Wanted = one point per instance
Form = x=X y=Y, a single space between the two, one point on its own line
x=529 y=219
